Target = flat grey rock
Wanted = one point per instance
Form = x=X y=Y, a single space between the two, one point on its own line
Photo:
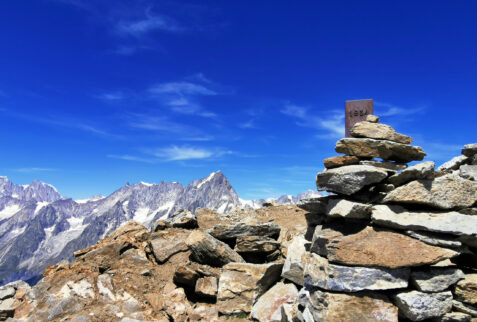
x=320 y=273
x=349 y=179
x=465 y=308
x=435 y=239
x=436 y=279
x=453 y=164
x=388 y=165
x=468 y=172
x=424 y=170
x=418 y=306
x=342 y=208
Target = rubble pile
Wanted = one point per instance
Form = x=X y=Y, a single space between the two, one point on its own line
x=389 y=242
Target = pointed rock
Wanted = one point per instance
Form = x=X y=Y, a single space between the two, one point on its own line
x=379 y=132
x=241 y=284
x=386 y=150
x=373 y=247
x=418 y=306
x=446 y=192
x=320 y=273
x=269 y=305
x=208 y=250
x=349 y=179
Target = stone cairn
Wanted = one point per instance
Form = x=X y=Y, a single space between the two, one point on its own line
x=391 y=242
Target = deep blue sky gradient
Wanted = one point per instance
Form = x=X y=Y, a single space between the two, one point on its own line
x=97 y=93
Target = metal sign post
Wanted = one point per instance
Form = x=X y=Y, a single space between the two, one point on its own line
x=356 y=111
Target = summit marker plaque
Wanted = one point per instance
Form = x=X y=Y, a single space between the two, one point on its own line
x=356 y=111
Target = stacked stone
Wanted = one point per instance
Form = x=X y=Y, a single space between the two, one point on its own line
x=390 y=242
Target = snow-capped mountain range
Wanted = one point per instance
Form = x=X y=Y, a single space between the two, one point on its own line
x=38 y=227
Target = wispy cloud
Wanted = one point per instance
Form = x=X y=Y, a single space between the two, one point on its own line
x=161 y=124
x=387 y=109
x=151 y=22
x=250 y=124
x=111 y=96
x=180 y=153
x=332 y=125
x=181 y=89
x=128 y=157
x=34 y=169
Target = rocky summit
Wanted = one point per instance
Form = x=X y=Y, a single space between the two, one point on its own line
x=390 y=242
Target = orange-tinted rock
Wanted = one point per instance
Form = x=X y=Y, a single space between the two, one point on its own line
x=339 y=161
x=372 y=247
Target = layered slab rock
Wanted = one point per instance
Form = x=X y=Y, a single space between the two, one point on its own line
x=293 y=267
x=468 y=172
x=465 y=308
x=436 y=239
x=424 y=170
x=386 y=150
x=208 y=250
x=388 y=165
x=256 y=244
x=331 y=307
x=349 y=179
x=373 y=247
x=470 y=150
x=454 y=317
x=466 y=289
x=418 y=306
x=314 y=205
x=436 y=279
x=339 y=161
x=227 y=232
x=453 y=164
x=269 y=305
x=343 y=208
x=449 y=222
x=241 y=284
x=320 y=273
x=206 y=286
x=446 y=192
x=379 y=132
x=168 y=243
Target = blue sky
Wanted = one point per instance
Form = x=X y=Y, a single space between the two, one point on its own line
x=97 y=93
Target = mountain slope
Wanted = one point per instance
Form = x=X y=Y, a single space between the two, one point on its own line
x=38 y=227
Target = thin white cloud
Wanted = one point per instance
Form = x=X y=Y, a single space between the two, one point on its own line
x=387 y=109
x=34 y=169
x=138 y=28
x=333 y=124
x=111 y=96
x=161 y=124
x=181 y=89
x=250 y=124
x=128 y=157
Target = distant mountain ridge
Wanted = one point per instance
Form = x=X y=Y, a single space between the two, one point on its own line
x=38 y=227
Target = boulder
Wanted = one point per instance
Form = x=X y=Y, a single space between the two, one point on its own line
x=468 y=172
x=256 y=244
x=374 y=247
x=466 y=289
x=470 y=150
x=465 y=308
x=436 y=279
x=386 y=150
x=424 y=170
x=349 y=209
x=331 y=307
x=388 y=165
x=320 y=273
x=269 y=306
x=168 y=242
x=454 y=317
x=339 y=161
x=349 y=179
x=372 y=118
x=230 y=231
x=208 y=250
x=453 y=164
x=6 y=292
x=418 y=306
x=448 y=222
x=379 y=132
x=446 y=192
x=294 y=263
x=241 y=284
x=206 y=286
